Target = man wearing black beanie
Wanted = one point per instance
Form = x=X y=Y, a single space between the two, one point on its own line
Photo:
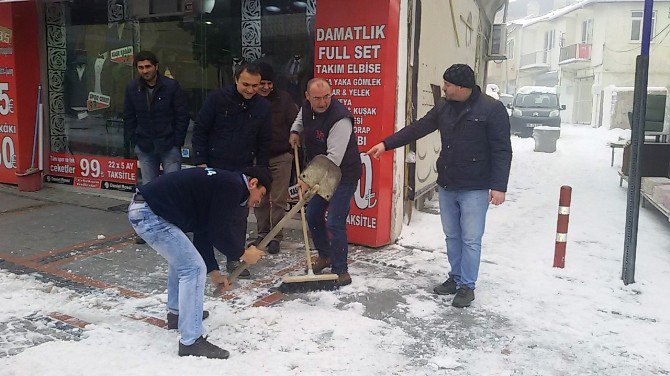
x=472 y=171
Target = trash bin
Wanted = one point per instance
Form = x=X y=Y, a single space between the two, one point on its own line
x=545 y=138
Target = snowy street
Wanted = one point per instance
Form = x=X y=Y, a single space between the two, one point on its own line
x=528 y=318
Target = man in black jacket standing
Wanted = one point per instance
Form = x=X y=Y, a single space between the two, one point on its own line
x=473 y=170
x=155 y=118
x=232 y=132
x=191 y=200
x=271 y=210
x=327 y=128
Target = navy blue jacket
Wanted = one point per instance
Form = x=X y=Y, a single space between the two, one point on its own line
x=161 y=124
x=317 y=126
x=231 y=132
x=199 y=199
x=476 y=149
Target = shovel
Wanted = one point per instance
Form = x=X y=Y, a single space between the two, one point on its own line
x=322 y=176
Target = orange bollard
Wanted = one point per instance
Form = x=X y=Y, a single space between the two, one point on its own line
x=562 y=226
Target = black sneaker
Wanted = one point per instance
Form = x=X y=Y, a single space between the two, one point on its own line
x=139 y=240
x=203 y=348
x=255 y=242
x=273 y=247
x=173 y=320
x=464 y=296
x=446 y=288
x=232 y=265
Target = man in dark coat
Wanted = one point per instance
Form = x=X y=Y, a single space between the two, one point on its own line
x=155 y=118
x=194 y=199
x=472 y=171
x=272 y=208
x=232 y=132
x=327 y=128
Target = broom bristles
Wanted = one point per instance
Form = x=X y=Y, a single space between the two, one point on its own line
x=306 y=283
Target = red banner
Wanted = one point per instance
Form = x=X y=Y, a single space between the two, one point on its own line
x=8 y=118
x=356 y=49
x=92 y=171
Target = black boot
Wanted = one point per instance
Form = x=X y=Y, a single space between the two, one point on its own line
x=203 y=348
x=448 y=287
x=173 y=320
x=273 y=247
x=464 y=296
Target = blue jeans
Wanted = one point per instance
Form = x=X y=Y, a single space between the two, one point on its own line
x=330 y=234
x=150 y=162
x=463 y=215
x=186 y=269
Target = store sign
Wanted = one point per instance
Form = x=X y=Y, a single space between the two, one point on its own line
x=97 y=101
x=123 y=55
x=8 y=116
x=93 y=171
x=356 y=51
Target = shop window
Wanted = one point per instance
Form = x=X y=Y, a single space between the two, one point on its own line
x=90 y=44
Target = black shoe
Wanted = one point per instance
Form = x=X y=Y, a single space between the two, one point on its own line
x=446 y=288
x=232 y=265
x=273 y=247
x=173 y=320
x=139 y=240
x=203 y=348
x=464 y=296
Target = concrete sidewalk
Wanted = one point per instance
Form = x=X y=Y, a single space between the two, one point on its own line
x=82 y=241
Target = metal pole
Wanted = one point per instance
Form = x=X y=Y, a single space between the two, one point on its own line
x=637 y=141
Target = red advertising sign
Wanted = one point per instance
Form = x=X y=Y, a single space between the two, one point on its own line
x=92 y=171
x=356 y=49
x=8 y=116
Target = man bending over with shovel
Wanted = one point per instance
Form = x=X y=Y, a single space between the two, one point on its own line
x=203 y=199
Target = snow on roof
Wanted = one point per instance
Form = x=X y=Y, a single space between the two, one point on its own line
x=523 y=22
x=536 y=89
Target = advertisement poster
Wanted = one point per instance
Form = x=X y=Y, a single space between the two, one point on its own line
x=356 y=50
x=122 y=55
x=8 y=116
x=92 y=171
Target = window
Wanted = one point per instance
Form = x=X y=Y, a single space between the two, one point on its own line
x=587 y=32
x=510 y=49
x=549 y=40
x=636 y=25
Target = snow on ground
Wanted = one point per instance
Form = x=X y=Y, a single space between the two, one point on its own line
x=528 y=318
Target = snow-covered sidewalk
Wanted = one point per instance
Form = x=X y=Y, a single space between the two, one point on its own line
x=528 y=318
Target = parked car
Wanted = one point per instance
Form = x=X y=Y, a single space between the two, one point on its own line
x=534 y=106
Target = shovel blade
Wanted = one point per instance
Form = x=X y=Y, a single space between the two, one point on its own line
x=325 y=173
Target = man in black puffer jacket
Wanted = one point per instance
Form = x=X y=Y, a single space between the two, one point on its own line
x=155 y=118
x=232 y=132
x=472 y=171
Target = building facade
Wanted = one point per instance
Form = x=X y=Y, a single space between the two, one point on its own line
x=384 y=59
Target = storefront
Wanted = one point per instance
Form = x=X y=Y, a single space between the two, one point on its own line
x=90 y=45
x=386 y=70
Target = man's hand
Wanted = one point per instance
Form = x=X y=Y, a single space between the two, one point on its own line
x=377 y=150
x=252 y=255
x=294 y=140
x=220 y=280
x=204 y=165
x=496 y=197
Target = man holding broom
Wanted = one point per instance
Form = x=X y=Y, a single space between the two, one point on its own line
x=327 y=128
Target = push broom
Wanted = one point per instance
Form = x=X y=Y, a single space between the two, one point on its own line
x=309 y=281
x=322 y=177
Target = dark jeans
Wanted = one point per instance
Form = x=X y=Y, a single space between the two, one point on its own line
x=330 y=234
